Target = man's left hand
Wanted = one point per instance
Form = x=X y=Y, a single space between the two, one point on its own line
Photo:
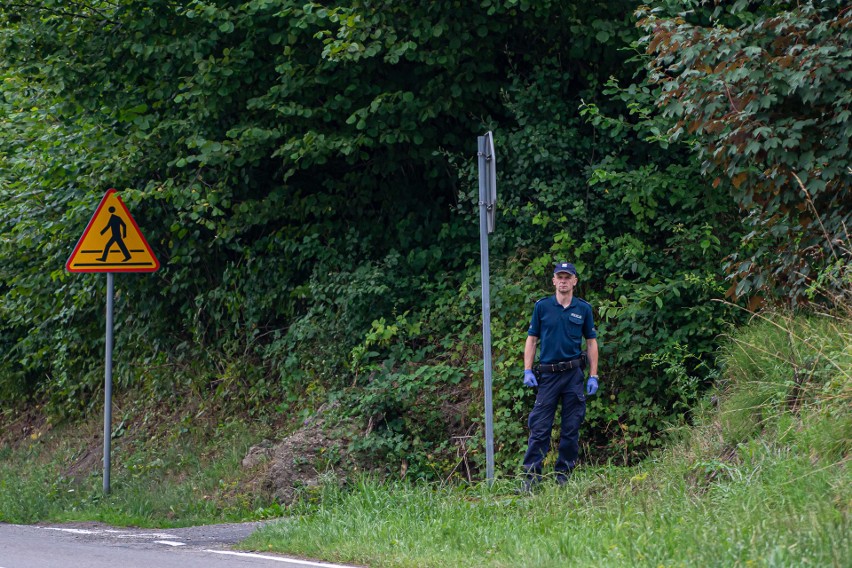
x=592 y=385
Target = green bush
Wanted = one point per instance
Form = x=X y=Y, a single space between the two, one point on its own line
x=303 y=171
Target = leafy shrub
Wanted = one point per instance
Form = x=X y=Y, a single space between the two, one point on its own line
x=305 y=171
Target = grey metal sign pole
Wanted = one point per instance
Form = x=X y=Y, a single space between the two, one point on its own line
x=487 y=199
x=92 y=255
x=108 y=380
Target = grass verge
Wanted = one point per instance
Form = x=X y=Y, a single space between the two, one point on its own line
x=762 y=479
x=167 y=471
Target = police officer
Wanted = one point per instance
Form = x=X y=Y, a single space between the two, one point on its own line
x=559 y=324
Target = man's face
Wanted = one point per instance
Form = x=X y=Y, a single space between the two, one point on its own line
x=564 y=282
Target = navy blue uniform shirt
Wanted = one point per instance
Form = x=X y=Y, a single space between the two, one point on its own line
x=560 y=331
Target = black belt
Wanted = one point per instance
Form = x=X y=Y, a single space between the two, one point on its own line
x=562 y=366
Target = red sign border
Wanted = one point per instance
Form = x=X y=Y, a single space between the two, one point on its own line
x=89 y=227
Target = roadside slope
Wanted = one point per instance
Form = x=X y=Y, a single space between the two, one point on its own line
x=762 y=478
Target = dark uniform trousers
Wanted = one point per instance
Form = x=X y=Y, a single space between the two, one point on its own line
x=565 y=387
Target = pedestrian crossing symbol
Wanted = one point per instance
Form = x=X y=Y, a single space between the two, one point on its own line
x=112 y=242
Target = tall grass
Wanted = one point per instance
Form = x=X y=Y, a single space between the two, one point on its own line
x=191 y=476
x=762 y=479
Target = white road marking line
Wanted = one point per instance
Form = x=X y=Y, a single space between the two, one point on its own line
x=170 y=542
x=118 y=534
x=75 y=531
x=280 y=559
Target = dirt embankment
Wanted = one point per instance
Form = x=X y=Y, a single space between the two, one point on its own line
x=298 y=461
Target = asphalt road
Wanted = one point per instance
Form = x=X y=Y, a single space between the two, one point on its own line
x=94 y=545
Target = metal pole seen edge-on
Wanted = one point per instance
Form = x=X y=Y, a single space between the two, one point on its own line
x=108 y=380
x=486 y=310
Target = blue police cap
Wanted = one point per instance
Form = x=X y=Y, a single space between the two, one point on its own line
x=565 y=267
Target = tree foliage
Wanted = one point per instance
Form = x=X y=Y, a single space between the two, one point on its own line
x=306 y=175
x=764 y=93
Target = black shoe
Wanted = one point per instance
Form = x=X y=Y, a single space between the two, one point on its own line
x=530 y=484
x=562 y=475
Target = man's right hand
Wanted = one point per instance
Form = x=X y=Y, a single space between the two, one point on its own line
x=529 y=378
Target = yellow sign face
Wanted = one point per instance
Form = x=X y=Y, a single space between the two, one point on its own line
x=112 y=242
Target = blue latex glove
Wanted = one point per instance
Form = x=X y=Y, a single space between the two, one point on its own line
x=529 y=378
x=592 y=385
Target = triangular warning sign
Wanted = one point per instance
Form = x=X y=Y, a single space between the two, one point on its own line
x=112 y=242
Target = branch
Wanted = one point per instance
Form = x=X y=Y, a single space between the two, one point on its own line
x=19 y=6
x=730 y=98
x=817 y=214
